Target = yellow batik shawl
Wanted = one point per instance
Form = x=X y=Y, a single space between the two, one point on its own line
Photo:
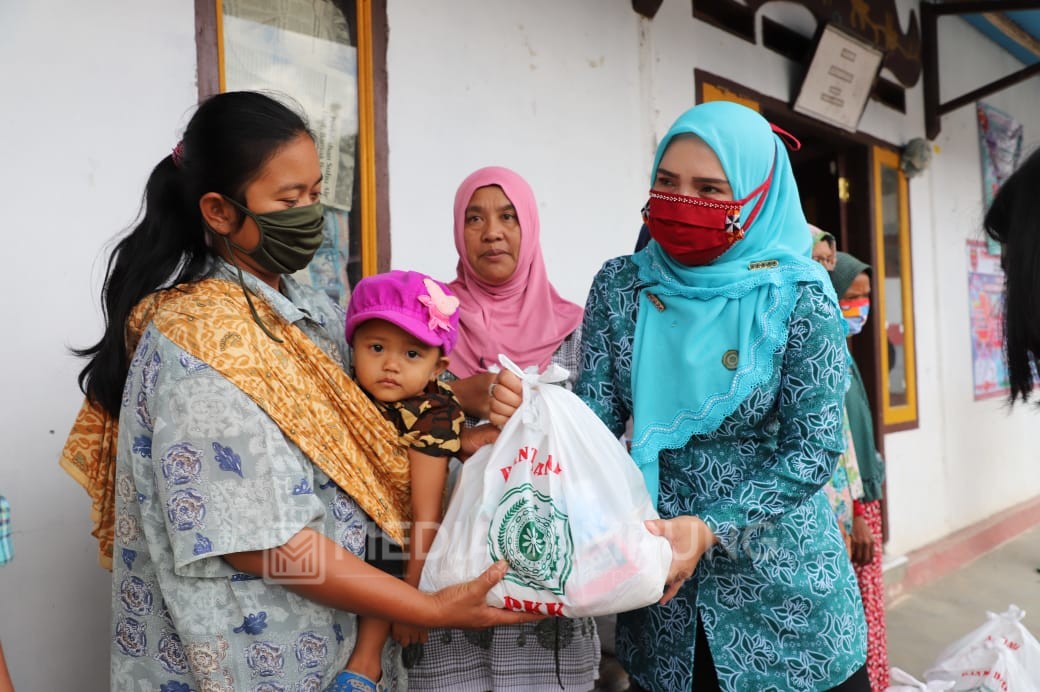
x=307 y=394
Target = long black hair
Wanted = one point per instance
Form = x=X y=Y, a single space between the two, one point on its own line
x=226 y=144
x=1013 y=220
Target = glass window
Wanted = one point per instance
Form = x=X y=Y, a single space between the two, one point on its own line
x=893 y=291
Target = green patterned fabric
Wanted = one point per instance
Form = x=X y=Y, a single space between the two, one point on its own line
x=861 y=420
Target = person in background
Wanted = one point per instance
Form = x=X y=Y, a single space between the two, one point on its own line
x=233 y=465
x=6 y=685
x=723 y=340
x=845 y=486
x=851 y=280
x=824 y=247
x=6 y=553
x=507 y=305
x=1013 y=220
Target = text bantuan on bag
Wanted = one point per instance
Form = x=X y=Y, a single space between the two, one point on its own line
x=559 y=498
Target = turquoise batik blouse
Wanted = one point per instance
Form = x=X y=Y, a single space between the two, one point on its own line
x=777 y=594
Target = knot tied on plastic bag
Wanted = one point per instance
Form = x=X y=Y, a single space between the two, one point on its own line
x=553 y=374
x=532 y=381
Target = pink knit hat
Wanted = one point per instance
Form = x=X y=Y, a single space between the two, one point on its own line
x=421 y=306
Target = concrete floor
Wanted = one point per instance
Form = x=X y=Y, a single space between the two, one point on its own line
x=924 y=622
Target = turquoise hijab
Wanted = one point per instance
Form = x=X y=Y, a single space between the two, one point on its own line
x=698 y=359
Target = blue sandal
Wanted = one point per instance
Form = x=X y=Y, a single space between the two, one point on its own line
x=347 y=681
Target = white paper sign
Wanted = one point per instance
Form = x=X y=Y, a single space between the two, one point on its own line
x=839 y=79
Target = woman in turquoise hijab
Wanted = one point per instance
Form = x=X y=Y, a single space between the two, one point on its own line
x=723 y=341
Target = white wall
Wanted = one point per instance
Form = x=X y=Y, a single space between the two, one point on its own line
x=550 y=89
x=94 y=97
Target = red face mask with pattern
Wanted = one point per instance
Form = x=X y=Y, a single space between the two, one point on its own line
x=695 y=230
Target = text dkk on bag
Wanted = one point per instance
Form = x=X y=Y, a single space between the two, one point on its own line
x=558 y=497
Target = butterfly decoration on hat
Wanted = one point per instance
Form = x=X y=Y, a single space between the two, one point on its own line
x=441 y=305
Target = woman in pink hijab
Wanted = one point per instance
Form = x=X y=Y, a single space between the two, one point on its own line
x=507 y=305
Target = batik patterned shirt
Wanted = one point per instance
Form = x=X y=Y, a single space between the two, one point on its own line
x=777 y=595
x=201 y=472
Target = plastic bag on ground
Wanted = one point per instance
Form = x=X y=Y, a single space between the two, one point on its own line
x=989 y=667
x=1000 y=655
x=560 y=499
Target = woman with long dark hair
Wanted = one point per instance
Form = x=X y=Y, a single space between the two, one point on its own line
x=1013 y=220
x=234 y=466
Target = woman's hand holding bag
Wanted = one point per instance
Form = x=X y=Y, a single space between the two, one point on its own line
x=690 y=538
x=507 y=393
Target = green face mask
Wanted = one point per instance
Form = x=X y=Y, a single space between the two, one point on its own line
x=288 y=238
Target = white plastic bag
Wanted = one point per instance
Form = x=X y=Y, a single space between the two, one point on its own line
x=901 y=681
x=559 y=498
x=1000 y=655
x=990 y=666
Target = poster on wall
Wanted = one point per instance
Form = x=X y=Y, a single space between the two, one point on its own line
x=986 y=310
x=1000 y=144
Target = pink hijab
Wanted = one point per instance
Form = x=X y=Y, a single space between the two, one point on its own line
x=524 y=317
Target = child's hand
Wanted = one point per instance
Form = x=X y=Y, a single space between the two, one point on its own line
x=408 y=634
x=474 y=438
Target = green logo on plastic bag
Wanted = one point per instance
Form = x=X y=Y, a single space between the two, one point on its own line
x=534 y=536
